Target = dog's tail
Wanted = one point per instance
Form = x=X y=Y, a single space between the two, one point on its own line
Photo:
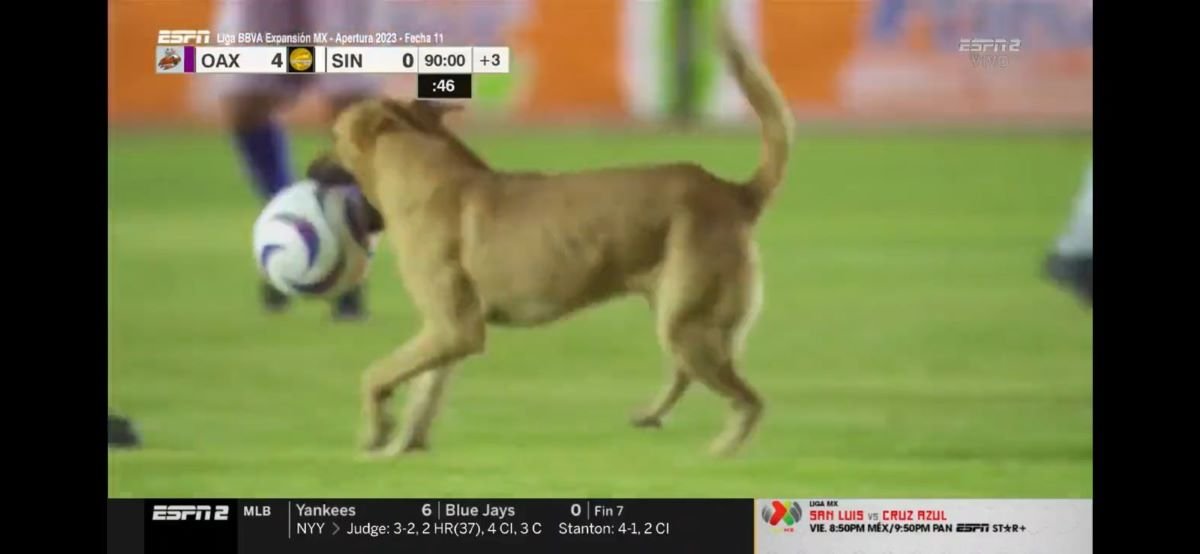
x=772 y=110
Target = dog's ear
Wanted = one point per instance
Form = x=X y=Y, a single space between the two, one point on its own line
x=376 y=120
x=434 y=112
x=395 y=107
x=431 y=114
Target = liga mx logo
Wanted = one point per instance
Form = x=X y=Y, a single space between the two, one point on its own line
x=782 y=516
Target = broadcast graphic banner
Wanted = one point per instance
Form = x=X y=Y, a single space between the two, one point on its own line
x=1007 y=61
x=628 y=526
x=368 y=526
x=789 y=526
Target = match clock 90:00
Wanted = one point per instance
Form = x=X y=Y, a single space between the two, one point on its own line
x=433 y=85
x=447 y=61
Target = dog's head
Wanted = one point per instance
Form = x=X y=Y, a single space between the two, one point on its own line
x=326 y=171
x=358 y=127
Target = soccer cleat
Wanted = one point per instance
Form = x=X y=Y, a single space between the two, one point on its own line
x=349 y=306
x=1073 y=273
x=273 y=300
x=121 y=433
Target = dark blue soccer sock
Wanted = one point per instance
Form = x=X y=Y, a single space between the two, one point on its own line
x=265 y=153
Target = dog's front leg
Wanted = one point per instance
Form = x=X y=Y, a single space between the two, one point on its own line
x=424 y=399
x=435 y=348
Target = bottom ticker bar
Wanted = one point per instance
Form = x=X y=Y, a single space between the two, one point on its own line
x=367 y=526
x=626 y=526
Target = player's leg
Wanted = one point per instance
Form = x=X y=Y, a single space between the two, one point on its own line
x=351 y=305
x=1071 y=262
x=121 y=433
x=342 y=90
x=252 y=102
x=260 y=139
x=340 y=16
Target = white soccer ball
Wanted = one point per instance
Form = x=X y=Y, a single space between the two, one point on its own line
x=312 y=241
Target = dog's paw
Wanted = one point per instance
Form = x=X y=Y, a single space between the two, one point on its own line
x=412 y=447
x=381 y=453
x=374 y=440
x=396 y=448
x=376 y=434
x=393 y=450
x=646 y=422
x=723 y=448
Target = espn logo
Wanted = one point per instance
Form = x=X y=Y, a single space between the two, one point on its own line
x=971 y=528
x=183 y=37
x=200 y=512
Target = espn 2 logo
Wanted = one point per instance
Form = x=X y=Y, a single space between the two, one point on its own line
x=200 y=512
x=989 y=45
x=183 y=36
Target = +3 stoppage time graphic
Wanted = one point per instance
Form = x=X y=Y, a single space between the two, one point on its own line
x=442 y=71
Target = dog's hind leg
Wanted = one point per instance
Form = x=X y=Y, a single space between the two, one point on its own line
x=705 y=351
x=667 y=397
x=723 y=377
x=706 y=304
x=678 y=379
x=747 y=406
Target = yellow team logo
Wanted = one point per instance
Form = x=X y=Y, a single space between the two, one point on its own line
x=301 y=59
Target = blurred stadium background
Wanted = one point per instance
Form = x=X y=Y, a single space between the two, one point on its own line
x=909 y=346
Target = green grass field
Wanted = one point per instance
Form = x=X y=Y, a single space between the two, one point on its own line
x=908 y=346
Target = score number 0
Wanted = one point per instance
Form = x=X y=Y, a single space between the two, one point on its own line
x=577 y=511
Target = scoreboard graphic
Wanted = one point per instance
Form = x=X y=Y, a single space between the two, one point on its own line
x=442 y=71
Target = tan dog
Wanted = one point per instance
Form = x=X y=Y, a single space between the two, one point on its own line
x=478 y=246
